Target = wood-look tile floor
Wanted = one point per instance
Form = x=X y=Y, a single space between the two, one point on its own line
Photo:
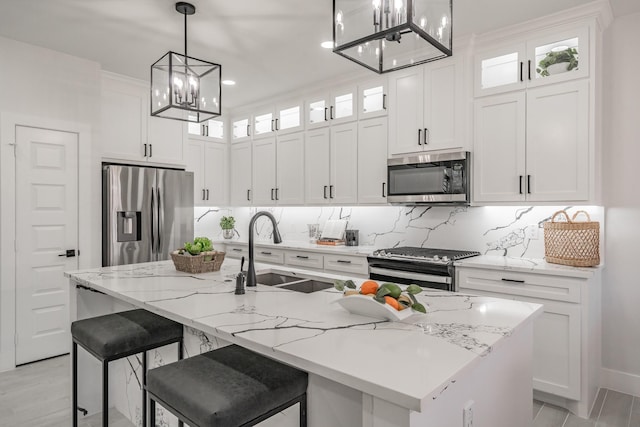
x=37 y=395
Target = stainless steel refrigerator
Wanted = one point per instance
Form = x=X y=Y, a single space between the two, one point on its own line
x=146 y=213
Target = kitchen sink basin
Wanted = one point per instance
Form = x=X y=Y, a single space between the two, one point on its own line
x=308 y=286
x=273 y=279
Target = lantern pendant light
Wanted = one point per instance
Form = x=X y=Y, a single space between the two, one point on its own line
x=185 y=88
x=387 y=35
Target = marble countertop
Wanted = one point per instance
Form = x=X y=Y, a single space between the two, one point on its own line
x=306 y=246
x=409 y=363
x=527 y=265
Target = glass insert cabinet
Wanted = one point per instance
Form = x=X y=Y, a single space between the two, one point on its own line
x=547 y=59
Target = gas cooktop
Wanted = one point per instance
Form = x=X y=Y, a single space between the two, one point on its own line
x=432 y=255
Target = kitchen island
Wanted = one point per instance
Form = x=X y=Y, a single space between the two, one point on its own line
x=467 y=352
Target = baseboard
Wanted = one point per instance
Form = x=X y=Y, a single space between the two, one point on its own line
x=620 y=381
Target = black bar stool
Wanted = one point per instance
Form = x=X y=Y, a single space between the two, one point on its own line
x=119 y=335
x=228 y=387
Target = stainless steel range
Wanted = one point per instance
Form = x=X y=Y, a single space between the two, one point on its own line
x=426 y=267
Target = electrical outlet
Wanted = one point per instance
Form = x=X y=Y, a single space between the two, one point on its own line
x=467 y=414
x=532 y=232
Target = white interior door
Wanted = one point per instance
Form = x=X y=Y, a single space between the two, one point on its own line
x=46 y=227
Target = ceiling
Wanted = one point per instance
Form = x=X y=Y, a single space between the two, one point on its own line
x=267 y=47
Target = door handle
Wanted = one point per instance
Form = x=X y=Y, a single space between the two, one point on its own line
x=513 y=280
x=331 y=113
x=521 y=72
x=272 y=125
x=331 y=191
x=203 y=194
x=248 y=134
x=70 y=253
x=384 y=101
x=145 y=150
x=277 y=198
x=277 y=125
x=207 y=194
x=427 y=134
x=528 y=184
x=150 y=150
x=419 y=136
x=272 y=194
x=384 y=193
x=521 y=184
x=153 y=208
x=325 y=114
x=529 y=69
x=344 y=261
x=265 y=253
x=302 y=257
x=325 y=191
x=248 y=198
x=236 y=250
x=159 y=221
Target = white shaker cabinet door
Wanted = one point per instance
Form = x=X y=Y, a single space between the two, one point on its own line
x=443 y=87
x=406 y=109
x=558 y=142
x=372 y=161
x=499 y=148
x=194 y=157
x=165 y=138
x=316 y=166
x=216 y=173
x=290 y=169
x=240 y=174
x=344 y=164
x=264 y=171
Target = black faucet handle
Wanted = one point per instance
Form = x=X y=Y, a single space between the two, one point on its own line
x=240 y=284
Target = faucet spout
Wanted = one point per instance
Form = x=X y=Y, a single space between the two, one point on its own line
x=251 y=271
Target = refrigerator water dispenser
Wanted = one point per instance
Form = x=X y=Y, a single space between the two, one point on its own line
x=129 y=226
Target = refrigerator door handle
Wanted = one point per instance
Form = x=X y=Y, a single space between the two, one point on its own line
x=153 y=240
x=160 y=220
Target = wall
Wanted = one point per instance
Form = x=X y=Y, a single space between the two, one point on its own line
x=495 y=230
x=46 y=88
x=621 y=149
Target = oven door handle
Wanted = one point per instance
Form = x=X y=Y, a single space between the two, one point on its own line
x=410 y=275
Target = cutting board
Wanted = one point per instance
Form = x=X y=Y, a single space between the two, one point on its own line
x=334 y=229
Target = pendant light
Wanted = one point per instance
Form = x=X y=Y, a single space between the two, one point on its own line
x=387 y=35
x=185 y=88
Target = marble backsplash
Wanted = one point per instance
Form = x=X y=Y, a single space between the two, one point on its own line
x=491 y=230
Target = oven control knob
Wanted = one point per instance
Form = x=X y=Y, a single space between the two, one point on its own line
x=436 y=257
x=380 y=253
x=445 y=258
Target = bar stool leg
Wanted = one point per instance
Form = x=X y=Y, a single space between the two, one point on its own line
x=144 y=389
x=105 y=393
x=74 y=374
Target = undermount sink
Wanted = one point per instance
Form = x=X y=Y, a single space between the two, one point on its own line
x=273 y=279
x=292 y=283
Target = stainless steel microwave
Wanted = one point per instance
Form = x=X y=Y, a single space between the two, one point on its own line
x=438 y=179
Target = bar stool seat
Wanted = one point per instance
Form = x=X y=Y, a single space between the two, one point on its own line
x=119 y=335
x=228 y=387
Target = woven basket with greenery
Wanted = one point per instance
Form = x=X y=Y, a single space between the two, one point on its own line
x=205 y=262
x=571 y=242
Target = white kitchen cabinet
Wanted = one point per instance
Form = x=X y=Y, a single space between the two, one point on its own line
x=241 y=127
x=372 y=161
x=128 y=132
x=208 y=162
x=340 y=105
x=517 y=65
x=264 y=171
x=281 y=119
x=357 y=265
x=331 y=163
x=304 y=259
x=425 y=107
x=533 y=145
x=557 y=333
x=240 y=174
x=209 y=130
x=372 y=98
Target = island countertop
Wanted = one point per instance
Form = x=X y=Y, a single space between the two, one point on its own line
x=408 y=363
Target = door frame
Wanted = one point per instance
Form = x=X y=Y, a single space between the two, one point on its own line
x=8 y=123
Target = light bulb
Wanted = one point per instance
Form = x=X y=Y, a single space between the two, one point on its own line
x=376 y=4
x=444 y=21
x=398 y=5
x=178 y=82
x=423 y=22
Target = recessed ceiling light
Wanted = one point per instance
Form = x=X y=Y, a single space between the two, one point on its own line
x=327 y=44
x=228 y=82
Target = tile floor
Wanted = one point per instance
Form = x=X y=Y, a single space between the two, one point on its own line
x=37 y=395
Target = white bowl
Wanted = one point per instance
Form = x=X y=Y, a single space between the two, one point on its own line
x=367 y=306
x=560 y=67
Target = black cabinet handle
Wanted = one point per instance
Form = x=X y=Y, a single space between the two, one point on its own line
x=236 y=249
x=265 y=253
x=384 y=101
x=331 y=191
x=69 y=253
x=248 y=193
x=325 y=191
x=207 y=129
x=384 y=193
x=207 y=194
x=343 y=261
x=150 y=150
x=521 y=72
x=513 y=280
x=528 y=184
x=427 y=134
x=325 y=113
x=277 y=125
x=419 y=136
x=272 y=194
x=521 y=184
x=248 y=126
x=529 y=69
x=145 y=150
x=277 y=198
x=331 y=113
x=203 y=194
x=272 y=125
x=302 y=256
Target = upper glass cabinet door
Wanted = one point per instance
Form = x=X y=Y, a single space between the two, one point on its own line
x=552 y=58
x=372 y=98
x=241 y=129
x=289 y=117
x=263 y=124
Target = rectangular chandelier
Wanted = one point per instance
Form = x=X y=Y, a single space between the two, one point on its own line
x=185 y=88
x=387 y=35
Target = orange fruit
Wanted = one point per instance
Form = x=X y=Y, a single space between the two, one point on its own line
x=392 y=302
x=369 y=287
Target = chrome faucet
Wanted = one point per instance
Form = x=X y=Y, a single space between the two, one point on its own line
x=251 y=271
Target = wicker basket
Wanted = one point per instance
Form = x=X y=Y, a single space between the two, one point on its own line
x=196 y=264
x=571 y=242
